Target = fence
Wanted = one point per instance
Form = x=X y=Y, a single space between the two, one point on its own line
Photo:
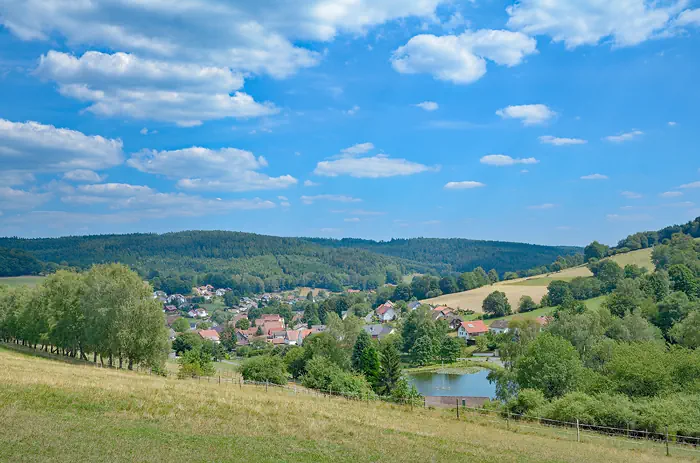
x=670 y=443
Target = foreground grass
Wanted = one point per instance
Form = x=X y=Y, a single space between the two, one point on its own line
x=21 y=281
x=54 y=412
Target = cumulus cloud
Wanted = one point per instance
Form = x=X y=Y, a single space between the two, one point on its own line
x=529 y=114
x=83 y=175
x=463 y=185
x=27 y=147
x=542 y=206
x=14 y=199
x=588 y=22
x=351 y=162
x=352 y=111
x=503 y=160
x=672 y=194
x=226 y=169
x=461 y=59
x=309 y=183
x=689 y=17
x=594 y=177
x=626 y=136
x=631 y=195
x=428 y=105
x=557 y=141
x=335 y=198
x=121 y=84
x=672 y=123
x=124 y=196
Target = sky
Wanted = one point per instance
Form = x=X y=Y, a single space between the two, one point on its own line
x=541 y=121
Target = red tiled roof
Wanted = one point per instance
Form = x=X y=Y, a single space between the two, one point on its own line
x=292 y=335
x=476 y=326
x=209 y=334
x=382 y=309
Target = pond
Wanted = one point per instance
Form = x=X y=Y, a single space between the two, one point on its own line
x=443 y=384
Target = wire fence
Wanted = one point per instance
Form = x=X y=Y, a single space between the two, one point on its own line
x=672 y=443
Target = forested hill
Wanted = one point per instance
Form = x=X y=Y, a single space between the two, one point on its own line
x=648 y=239
x=461 y=255
x=282 y=263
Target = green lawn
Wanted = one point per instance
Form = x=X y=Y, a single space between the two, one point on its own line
x=21 y=281
x=641 y=257
x=594 y=304
x=216 y=303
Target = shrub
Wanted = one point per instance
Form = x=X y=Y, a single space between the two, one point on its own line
x=325 y=375
x=265 y=368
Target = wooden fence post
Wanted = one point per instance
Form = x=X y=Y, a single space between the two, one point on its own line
x=457 y=403
x=667 y=451
x=578 y=432
x=508 y=421
x=266 y=384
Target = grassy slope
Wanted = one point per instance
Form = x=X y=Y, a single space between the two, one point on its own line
x=57 y=412
x=19 y=281
x=535 y=287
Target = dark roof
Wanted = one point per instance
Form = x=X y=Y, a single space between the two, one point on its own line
x=500 y=324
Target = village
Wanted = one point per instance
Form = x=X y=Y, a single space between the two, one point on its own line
x=274 y=329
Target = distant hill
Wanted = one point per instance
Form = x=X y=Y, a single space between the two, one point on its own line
x=274 y=263
x=15 y=262
x=648 y=239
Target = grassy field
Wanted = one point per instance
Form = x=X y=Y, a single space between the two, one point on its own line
x=535 y=286
x=57 y=412
x=20 y=281
x=590 y=303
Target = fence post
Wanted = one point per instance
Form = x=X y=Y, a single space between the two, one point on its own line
x=219 y=379
x=508 y=421
x=578 y=432
x=266 y=383
x=457 y=403
x=240 y=383
x=424 y=402
x=667 y=452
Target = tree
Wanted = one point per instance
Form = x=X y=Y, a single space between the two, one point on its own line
x=228 y=337
x=448 y=285
x=634 y=271
x=656 y=285
x=265 y=368
x=370 y=365
x=551 y=365
x=186 y=341
x=682 y=279
x=609 y=274
x=557 y=292
x=243 y=324
x=390 y=373
x=627 y=297
x=362 y=342
x=422 y=352
x=674 y=308
x=196 y=362
x=295 y=360
x=687 y=331
x=595 y=250
x=230 y=299
x=450 y=348
x=526 y=304
x=493 y=276
x=496 y=304
x=402 y=292
x=180 y=325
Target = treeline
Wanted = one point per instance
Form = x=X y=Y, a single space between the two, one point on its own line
x=635 y=361
x=15 y=262
x=106 y=312
x=648 y=239
x=461 y=254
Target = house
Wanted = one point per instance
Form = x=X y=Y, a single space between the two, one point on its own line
x=210 y=335
x=499 y=326
x=472 y=329
x=413 y=305
x=242 y=338
x=386 y=312
x=378 y=331
x=220 y=292
x=177 y=299
x=453 y=320
x=171 y=334
x=291 y=337
x=170 y=308
x=369 y=317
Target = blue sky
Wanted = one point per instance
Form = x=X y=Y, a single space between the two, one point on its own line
x=550 y=122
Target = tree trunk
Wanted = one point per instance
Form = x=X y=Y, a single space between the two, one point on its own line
x=110 y=360
x=94 y=357
x=120 y=362
x=131 y=364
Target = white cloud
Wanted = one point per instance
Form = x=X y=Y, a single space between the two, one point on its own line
x=35 y=147
x=83 y=175
x=672 y=123
x=529 y=114
x=351 y=219
x=461 y=59
x=464 y=185
x=282 y=198
x=628 y=218
x=689 y=17
x=309 y=183
x=336 y=198
x=557 y=141
x=627 y=136
x=503 y=160
x=691 y=185
x=349 y=162
x=588 y=22
x=594 y=177
x=631 y=195
x=542 y=206
x=145 y=131
x=428 y=105
x=352 y=111
x=151 y=203
x=671 y=194
x=225 y=169
x=15 y=177
x=13 y=199
x=126 y=85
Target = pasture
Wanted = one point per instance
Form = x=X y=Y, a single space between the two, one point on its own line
x=22 y=281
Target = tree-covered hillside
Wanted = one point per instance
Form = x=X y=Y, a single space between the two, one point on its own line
x=648 y=239
x=461 y=255
x=271 y=263
x=15 y=262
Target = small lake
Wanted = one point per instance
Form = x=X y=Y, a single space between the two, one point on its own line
x=442 y=384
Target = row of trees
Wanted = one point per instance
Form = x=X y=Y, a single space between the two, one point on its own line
x=107 y=311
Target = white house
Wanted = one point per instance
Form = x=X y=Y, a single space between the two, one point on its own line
x=386 y=312
x=471 y=330
x=499 y=326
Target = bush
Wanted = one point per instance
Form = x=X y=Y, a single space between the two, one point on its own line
x=527 y=402
x=526 y=304
x=196 y=362
x=324 y=375
x=265 y=368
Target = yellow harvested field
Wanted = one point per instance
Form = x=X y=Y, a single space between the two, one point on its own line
x=472 y=300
